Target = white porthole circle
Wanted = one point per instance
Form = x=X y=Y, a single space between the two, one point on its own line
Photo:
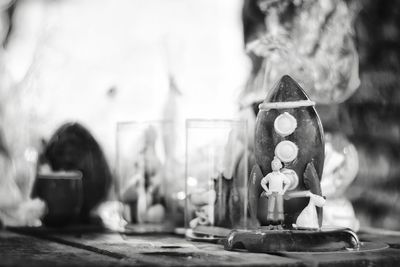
x=286 y=151
x=285 y=124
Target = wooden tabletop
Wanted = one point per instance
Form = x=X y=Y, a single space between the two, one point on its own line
x=44 y=247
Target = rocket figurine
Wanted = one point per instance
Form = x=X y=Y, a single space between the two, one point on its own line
x=284 y=186
x=287 y=128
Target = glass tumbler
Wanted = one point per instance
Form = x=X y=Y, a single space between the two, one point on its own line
x=216 y=177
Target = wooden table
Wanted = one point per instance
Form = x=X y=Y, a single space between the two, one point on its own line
x=88 y=247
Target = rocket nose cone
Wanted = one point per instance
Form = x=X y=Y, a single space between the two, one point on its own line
x=287 y=79
x=286 y=89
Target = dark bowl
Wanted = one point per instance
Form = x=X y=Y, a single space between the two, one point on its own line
x=62 y=192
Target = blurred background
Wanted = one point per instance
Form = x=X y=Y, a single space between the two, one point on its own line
x=98 y=62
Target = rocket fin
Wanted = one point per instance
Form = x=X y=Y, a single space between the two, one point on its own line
x=312 y=183
x=254 y=192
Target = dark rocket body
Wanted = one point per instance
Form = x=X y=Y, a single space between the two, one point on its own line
x=308 y=136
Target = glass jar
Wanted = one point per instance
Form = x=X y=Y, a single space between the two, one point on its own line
x=146 y=180
x=216 y=177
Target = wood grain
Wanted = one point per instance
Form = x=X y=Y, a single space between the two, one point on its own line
x=39 y=247
x=156 y=250
x=19 y=250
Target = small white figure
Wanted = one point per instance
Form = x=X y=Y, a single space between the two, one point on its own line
x=277 y=183
x=204 y=216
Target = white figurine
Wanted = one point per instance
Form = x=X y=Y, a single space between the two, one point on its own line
x=277 y=183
